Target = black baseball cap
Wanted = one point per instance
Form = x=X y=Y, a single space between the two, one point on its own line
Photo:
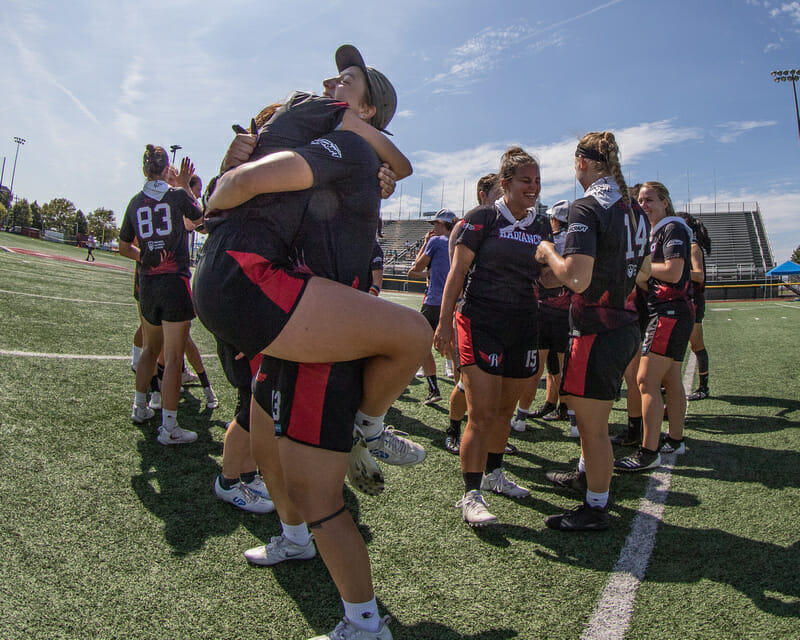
x=384 y=97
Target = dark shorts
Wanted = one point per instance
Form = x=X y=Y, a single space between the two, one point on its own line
x=668 y=333
x=553 y=329
x=699 y=309
x=165 y=298
x=431 y=314
x=595 y=363
x=498 y=343
x=314 y=404
x=243 y=298
x=136 y=283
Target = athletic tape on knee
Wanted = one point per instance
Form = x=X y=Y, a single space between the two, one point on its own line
x=317 y=523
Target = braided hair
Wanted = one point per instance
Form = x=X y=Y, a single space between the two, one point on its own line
x=154 y=162
x=699 y=230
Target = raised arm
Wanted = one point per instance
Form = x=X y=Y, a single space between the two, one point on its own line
x=381 y=144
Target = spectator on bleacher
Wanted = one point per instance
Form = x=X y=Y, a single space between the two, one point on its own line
x=605 y=246
x=489 y=190
x=701 y=247
x=433 y=262
x=496 y=325
x=671 y=321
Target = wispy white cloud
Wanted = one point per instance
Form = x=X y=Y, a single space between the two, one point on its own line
x=730 y=131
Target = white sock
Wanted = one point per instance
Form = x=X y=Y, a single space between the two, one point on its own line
x=136 y=352
x=169 y=419
x=140 y=398
x=297 y=533
x=364 y=615
x=596 y=499
x=571 y=415
x=371 y=427
x=582 y=464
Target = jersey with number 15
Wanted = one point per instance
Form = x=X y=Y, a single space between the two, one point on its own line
x=158 y=224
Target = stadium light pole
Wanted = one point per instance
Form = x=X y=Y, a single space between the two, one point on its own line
x=19 y=141
x=174 y=148
x=793 y=75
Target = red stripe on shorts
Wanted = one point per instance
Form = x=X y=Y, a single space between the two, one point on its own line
x=466 y=352
x=276 y=284
x=662 y=335
x=305 y=423
x=188 y=286
x=575 y=375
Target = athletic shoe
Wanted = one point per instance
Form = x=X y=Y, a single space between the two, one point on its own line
x=241 y=496
x=448 y=368
x=631 y=438
x=573 y=431
x=518 y=424
x=642 y=460
x=701 y=394
x=510 y=449
x=420 y=373
x=211 y=398
x=176 y=436
x=452 y=442
x=258 y=487
x=187 y=377
x=559 y=413
x=391 y=448
x=498 y=482
x=572 y=479
x=474 y=509
x=542 y=411
x=155 y=400
x=668 y=445
x=362 y=470
x=141 y=414
x=280 y=549
x=433 y=396
x=346 y=630
x=581 y=518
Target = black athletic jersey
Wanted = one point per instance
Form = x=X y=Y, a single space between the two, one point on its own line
x=670 y=238
x=155 y=216
x=603 y=226
x=504 y=272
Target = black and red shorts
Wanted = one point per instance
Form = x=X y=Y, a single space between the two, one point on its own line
x=243 y=298
x=165 y=298
x=595 y=363
x=668 y=332
x=553 y=329
x=501 y=344
x=314 y=404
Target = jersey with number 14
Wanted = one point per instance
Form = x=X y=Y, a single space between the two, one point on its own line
x=158 y=224
x=615 y=234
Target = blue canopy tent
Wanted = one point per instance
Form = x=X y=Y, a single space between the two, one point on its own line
x=788 y=268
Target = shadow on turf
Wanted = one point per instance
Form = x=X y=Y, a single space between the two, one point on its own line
x=735 y=424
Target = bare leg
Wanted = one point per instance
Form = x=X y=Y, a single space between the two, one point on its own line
x=152 y=343
x=592 y=417
x=236 y=458
x=652 y=370
x=676 y=400
x=174 y=343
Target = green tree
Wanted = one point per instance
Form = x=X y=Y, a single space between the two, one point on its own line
x=21 y=213
x=36 y=215
x=796 y=255
x=80 y=222
x=59 y=214
x=3 y=215
x=102 y=224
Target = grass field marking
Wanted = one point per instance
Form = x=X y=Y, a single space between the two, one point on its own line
x=36 y=295
x=787 y=306
x=74 y=356
x=612 y=615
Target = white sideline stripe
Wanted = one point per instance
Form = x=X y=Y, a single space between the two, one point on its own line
x=71 y=356
x=612 y=615
x=787 y=306
x=36 y=295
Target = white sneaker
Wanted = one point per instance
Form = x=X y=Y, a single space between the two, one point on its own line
x=241 y=496
x=573 y=432
x=187 y=377
x=420 y=373
x=155 y=400
x=518 y=425
x=390 y=448
x=346 y=630
x=362 y=470
x=211 y=399
x=498 y=482
x=279 y=549
x=474 y=509
x=258 y=487
x=176 y=436
x=448 y=368
x=141 y=414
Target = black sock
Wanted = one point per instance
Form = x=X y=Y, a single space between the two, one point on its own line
x=160 y=372
x=247 y=477
x=455 y=428
x=203 y=379
x=227 y=483
x=703 y=381
x=155 y=384
x=433 y=384
x=472 y=480
x=493 y=461
x=635 y=425
x=650 y=451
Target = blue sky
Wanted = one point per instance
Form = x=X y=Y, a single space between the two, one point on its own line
x=685 y=85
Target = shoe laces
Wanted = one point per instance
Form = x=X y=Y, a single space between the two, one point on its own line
x=391 y=440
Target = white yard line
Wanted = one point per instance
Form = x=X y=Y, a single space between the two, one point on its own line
x=36 y=295
x=73 y=356
x=612 y=615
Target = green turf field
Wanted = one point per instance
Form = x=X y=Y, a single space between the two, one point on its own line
x=107 y=534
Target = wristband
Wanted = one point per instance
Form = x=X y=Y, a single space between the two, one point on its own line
x=374 y=288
